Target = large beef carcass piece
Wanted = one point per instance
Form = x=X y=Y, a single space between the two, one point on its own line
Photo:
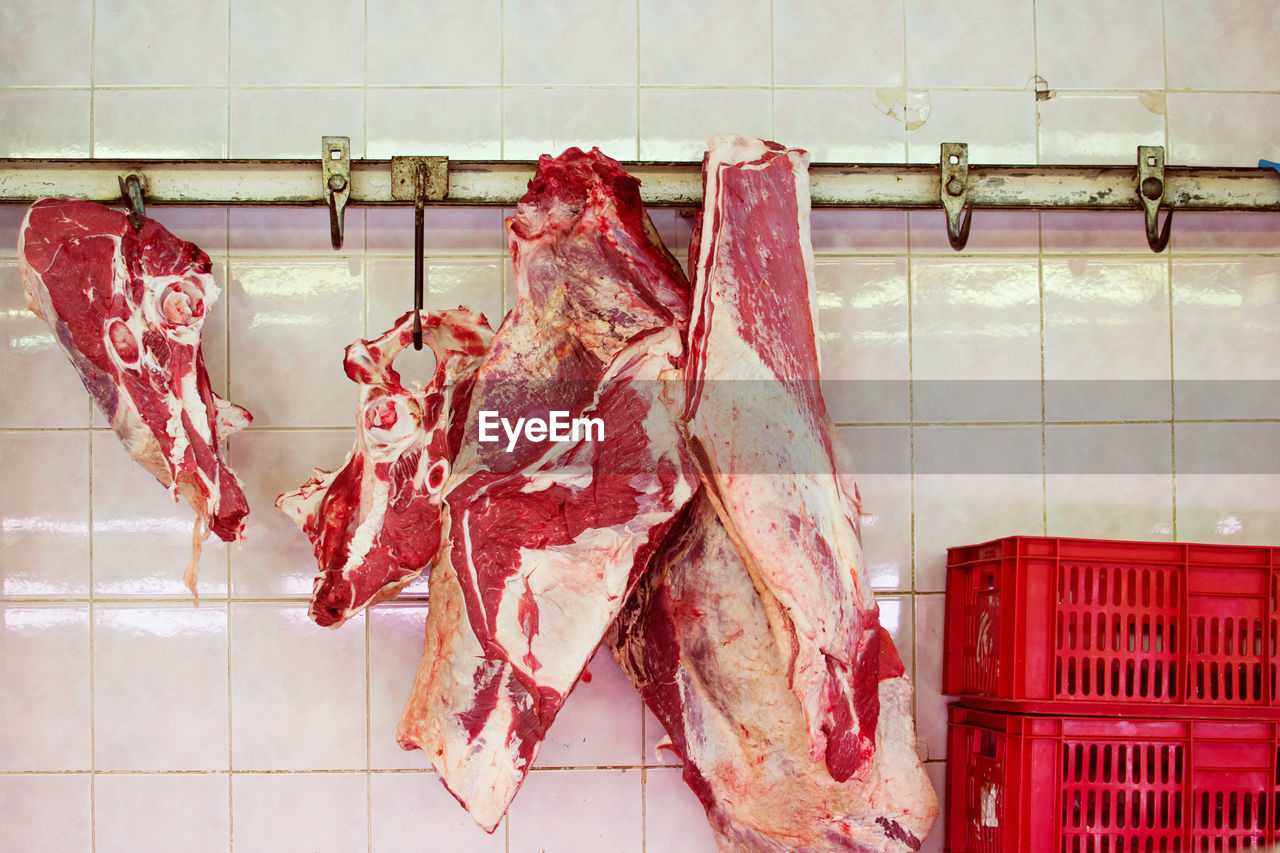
x=696 y=641
x=768 y=453
x=127 y=308
x=545 y=540
x=374 y=523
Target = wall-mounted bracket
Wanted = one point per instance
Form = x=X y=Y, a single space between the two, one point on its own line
x=421 y=179
x=132 y=195
x=1151 y=189
x=954 y=191
x=335 y=155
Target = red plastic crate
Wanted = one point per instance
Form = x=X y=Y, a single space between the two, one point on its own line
x=1086 y=626
x=1037 y=784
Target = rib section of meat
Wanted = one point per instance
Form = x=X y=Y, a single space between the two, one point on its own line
x=127 y=307
x=695 y=639
x=546 y=538
x=758 y=427
x=374 y=523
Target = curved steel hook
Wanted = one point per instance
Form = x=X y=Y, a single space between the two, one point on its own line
x=958 y=237
x=1159 y=241
x=132 y=197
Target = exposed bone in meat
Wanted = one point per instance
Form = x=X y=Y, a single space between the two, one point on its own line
x=127 y=308
x=374 y=523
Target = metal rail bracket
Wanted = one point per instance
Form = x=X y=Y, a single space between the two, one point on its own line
x=335 y=157
x=954 y=191
x=132 y=195
x=1151 y=189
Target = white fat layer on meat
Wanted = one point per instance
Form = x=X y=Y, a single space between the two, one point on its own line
x=572 y=477
x=785 y=438
x=742 y=726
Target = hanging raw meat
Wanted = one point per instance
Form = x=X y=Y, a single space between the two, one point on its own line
x=546 y=539
x=696 y=642
x=127 y=308
x=374 y=523
x=758 y=427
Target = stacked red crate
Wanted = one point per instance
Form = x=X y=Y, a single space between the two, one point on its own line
x=1114 y=696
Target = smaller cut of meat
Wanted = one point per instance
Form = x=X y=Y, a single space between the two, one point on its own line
x=127 y=307
x=374 y=523
x=695 y=641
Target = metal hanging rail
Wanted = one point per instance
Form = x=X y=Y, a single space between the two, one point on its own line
x=955 y=186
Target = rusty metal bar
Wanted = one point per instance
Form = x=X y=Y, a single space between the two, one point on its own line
x=501 y=183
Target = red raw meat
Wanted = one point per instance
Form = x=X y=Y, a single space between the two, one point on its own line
x=127 y=308
x=545 y=541
x=758 y=427
x=375 y=522
x=696 y=642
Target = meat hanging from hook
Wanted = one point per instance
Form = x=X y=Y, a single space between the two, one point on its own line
x=419 y=227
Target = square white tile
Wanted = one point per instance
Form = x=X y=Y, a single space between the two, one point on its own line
x=886 y=501
x=46 y=812
x=1000 y=127
x=54 y=47
x=1096 y=44
x=839 y=126
x=1106 y=339
x=295 y=231
x=1097 y=231
x=330 y=37
x=1226 y=319
x=1102 y=129
x=838 y=43
x=577 y=811
x=465 y=124
x=599 y=724
x=396 y=631
x=290 y=323
x=1223 y=45
x=837 y=231
x=44 y=522
x=456 y=230
x=548 y=121
x=465 y=43
x=141 y=43
x=1224 y=231
x=194 y=817
x=1109 y=506
x=276 y=558
x=447 y=284
x=992 y=232
x=160 y=687
x=411 y=807
x=970 y=44
x=1222 y=128
x=141 y=536
x=300 y=812
x=965 y=509
x=297 y=692
x=181 y=123
x=931 y=704
x=862 y=338
x=1235 y=509
x=602 y=33
x=44 y=707
x=45 y=123
x=674 y=817
x=676 y=124
x=679 y=45
x=290 y=122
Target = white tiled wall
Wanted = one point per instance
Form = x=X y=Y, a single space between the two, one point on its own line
x=130 y=721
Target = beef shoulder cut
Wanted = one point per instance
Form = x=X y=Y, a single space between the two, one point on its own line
x=695 y=640
x=758 y=427
x=374 y=523
x=127 y=307
x=547 y=538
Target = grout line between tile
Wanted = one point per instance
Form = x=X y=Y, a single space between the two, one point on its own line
x=93 y=744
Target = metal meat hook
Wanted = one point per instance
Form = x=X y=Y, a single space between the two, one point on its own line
x=131 y=195
x=421 y=179
x=1151 y=193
